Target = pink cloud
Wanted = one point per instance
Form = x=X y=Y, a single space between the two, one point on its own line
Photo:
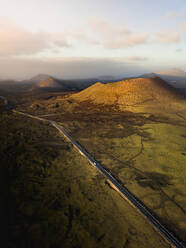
x=168 y=36
x=112 y=36
x=15 y=40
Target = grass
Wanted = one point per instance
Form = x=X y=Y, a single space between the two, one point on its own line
x=144 y=146
x=149 y=158
x=146 y=151
x=54 y=198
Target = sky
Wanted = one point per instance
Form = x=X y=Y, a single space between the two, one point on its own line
x=89 y=38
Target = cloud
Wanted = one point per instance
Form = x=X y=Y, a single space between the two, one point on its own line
x=15 y=40
x=98 y=31
x=167 y=36
x=115 y=36
x=106 y=30
x=174 y=14
x=79 y=34
x=127 y=41
x=68 y=68
x=183 y=26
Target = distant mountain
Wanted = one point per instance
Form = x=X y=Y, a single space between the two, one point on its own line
x=49 y=82
x=42 y=80
x=148 y=75
x=173 y=72
x=129 y=92
x=46 y=82
x=175 y=77
x=38 y=78
x=53 y=84
x=77 y=84
x=107 y=78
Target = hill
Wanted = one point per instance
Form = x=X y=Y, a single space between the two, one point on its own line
x=53 y=84
x=49 y=83
x=44 y=81
x=174 y=77
x=130 y=92
x=137 y=94
x=38 y=78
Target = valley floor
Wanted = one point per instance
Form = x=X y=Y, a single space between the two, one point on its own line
x=57 y=195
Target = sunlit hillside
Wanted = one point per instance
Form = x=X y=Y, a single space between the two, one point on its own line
x=131 y=92
x=48 y=82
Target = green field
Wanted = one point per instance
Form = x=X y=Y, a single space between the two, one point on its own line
x=54 y=198
x=147 y=153
x=144 y=147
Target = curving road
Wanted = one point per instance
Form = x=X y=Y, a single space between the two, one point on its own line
x=123 y=191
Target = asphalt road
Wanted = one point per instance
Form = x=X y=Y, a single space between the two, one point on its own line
x=166 y=234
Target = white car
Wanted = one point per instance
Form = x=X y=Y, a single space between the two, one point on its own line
x=94 y=163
